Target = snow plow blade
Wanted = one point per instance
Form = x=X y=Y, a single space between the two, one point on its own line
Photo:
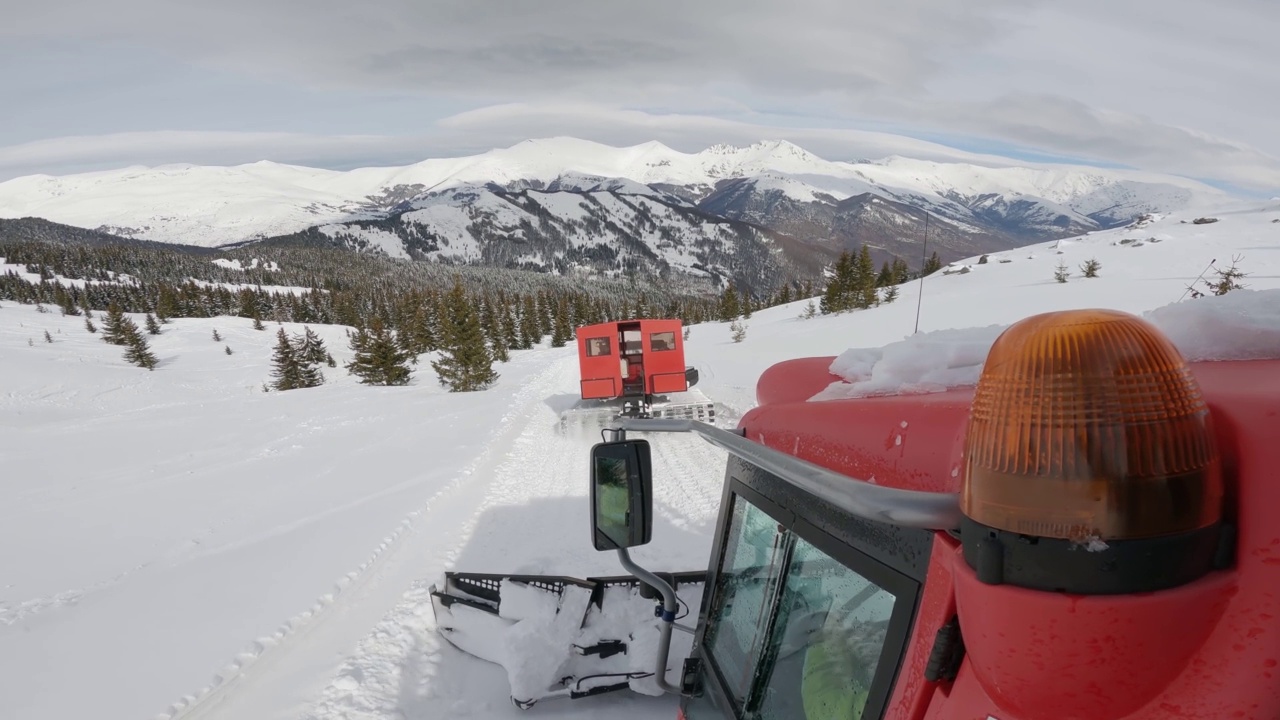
x=564 y=637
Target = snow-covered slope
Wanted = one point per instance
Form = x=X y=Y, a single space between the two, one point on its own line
x=211 y=206
x=178 y=543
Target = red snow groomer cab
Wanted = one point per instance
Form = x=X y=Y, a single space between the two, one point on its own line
x=636 y=368
x=1090 y=533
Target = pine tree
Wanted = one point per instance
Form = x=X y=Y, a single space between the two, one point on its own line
x=88 y=324
x=510 y=333
x=114 y=326
x=378 y=359
x=137 y=352
x=739 y=331
x=864 y=288
x=1228 y=279
x=529 y=334
x=890 y=293
x=257 y=323
x=286 y=367
x=838 y=294
x=465 y=364
x=561 y=331
x=216 y=336
x=228 y=349
x=166 y=304
x=152 y=326
x=1061 y=273
x=901 y=271
x=1091 y=268
x=933 y=264
x=47 y=337
x=308 y=347
x=886 y=275
x=730 y=308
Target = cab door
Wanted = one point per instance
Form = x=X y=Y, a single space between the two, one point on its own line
x=800 y=623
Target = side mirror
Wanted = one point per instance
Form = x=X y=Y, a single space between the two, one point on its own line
x=621 y=494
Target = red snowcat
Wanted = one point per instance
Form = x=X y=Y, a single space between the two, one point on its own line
x=635 y=368
x=1087 y=534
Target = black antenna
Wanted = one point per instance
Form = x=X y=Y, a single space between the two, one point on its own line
x=1193 y=282
x=924 y=253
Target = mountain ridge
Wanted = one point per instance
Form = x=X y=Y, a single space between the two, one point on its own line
x=773 y=197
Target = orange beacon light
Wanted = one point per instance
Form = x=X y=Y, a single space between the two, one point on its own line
x=1090 y=464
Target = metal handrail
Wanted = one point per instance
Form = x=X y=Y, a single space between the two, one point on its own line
x=906 y=508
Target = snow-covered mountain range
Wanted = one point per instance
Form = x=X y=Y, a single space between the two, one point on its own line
x=560 y=202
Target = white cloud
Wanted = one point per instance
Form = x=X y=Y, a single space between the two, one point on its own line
x=1175 y=86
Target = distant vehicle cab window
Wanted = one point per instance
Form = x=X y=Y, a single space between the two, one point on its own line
x=660 y=341
x=631 y=342
x=818 y=658
x=597 y=347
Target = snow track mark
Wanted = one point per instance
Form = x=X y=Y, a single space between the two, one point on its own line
x=308 y=642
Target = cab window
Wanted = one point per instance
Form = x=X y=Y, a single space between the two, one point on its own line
x=827 y=642
x=661 y=341
x=745 y=588
x=795 y=632
x=597 y=347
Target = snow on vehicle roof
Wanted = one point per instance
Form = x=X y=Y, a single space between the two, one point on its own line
x=1241 y=325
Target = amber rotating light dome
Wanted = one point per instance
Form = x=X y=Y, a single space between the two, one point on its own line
x=1090 y=459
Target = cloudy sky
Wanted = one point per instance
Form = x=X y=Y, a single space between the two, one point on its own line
x=1177 y=86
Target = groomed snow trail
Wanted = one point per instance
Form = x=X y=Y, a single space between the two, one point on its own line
x=534 y=519
x=278 y=672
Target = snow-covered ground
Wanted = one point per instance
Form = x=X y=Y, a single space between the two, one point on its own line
x=178 y=543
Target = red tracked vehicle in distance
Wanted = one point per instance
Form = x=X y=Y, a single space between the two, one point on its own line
x=636 y=368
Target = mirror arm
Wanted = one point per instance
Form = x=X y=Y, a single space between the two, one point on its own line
x=669 y=608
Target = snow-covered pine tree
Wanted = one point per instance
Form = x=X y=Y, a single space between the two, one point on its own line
x=153 y=327
x=465 y=364
x=378 y=359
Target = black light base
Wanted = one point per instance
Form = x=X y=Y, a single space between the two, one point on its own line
x=1115 y=567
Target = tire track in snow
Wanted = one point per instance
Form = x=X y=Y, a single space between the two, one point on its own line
x=249 y=684
x=539 y=524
